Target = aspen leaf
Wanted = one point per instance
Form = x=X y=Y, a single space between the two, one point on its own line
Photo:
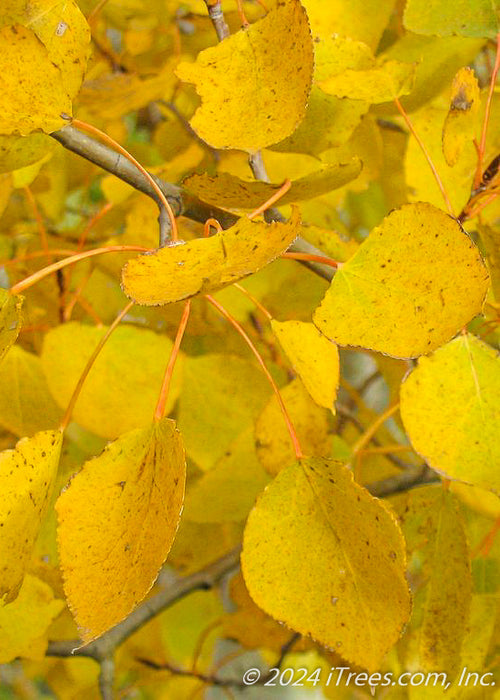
x=62 y=29
x=121 y=390
x=462 y=118
x=412 y=285
x=324 y=557
x=227 y=492
x=221 y=397
x=363 y=20
x=313 y=357
x=10 y=319
x=25 y=621
x=20 y=151
x=229 y=191
x=381 y=83
x=447 y=17
x=204 y=265
x=27 y=475
x=26 y=404
x=252 y=93
x=32 y=91
x=432 y=525
x=311 y=422
x=485 y=502
x=249 y=624
x=112 y=547
x=458 y=386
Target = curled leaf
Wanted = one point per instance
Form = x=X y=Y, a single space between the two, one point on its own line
x=206 y=264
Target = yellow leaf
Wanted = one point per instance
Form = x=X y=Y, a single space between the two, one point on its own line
x=229 y=191
x=252 y=93
x=462 y=118
x=311 y=422
x=313 y=357
x=204 y=265
x=458 y=385
x=117 y=522
x=26 y=404
x=404 y=292
x=334 y=244
x=227 y=492
x=25 y=621
x=383 y=83
x=363 y=20
x=490 y=238
x=447 y=17
x=27 y=475
x=428 y=123
x=324 y=557
x=62 y=29
x=10 y=319
x=250 y=625
x=433 y=527
x=111 y=96
x=221 y=397
x=198 y=545
x=20 y=151
x=122 y=388
x=475 y=498
x=32 y=91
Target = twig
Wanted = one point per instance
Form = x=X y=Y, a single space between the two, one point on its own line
x=217 y=16
x=213 y=678
x=106 y=677
x=402 y=482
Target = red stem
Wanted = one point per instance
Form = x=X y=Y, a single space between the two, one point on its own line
x=293 y=435
x=162 y=400
x=484 y=131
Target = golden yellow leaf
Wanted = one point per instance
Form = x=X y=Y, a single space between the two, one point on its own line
x=111 y=546
x=221 y=397
x=313 y=357
x=26 y=404
x=201 y=266
x=62 y=29
x=447 y=17
x=382 y=83
x=405 y=292
x=121 y=391
x=252 y=93
x=25 y=621
x=27 y=475
x=32 y=90
x=229 y=191
x=311 y=422
x=332 y=243
x=227 y=492
x=462 y=119
x=434 y=529
x=324 y=557
x=20 y=151
x=457 y=385
x=10 y=319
